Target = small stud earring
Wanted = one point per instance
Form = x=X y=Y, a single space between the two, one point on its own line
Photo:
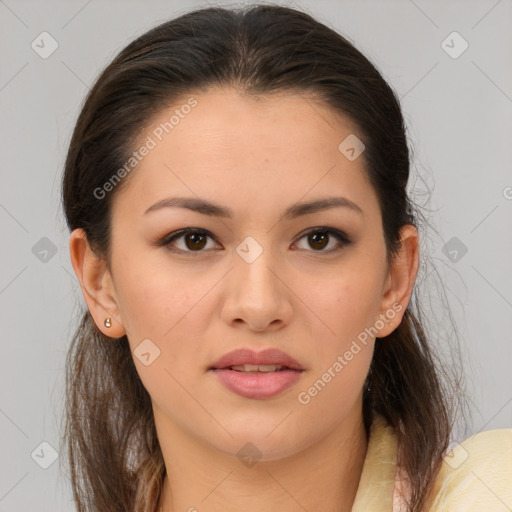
x=108 y=322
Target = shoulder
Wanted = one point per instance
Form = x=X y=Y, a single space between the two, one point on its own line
x=476 y=475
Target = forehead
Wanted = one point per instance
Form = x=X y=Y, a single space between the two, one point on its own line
x=239 y=150
x=223 y=117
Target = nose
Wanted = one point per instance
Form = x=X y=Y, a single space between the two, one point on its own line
x=257 y=295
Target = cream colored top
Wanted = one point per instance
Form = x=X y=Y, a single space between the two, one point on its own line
x=476 y=475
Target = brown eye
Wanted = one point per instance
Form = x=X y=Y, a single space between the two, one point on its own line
x=195 y=241
x=191 y=240
x=320 y=238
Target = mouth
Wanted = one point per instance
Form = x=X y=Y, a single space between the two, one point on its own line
x=254 y=369
x=246 y=360
x=257 y=381
x=257 y=375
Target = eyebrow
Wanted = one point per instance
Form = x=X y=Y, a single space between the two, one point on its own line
x=215 y=210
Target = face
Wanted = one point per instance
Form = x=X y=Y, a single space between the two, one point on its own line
x=312 y=283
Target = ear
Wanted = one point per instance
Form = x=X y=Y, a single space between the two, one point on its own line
x=399 y=282
x=96 y=283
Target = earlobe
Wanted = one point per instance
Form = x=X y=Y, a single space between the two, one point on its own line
x=96 y=284
x=400 y=281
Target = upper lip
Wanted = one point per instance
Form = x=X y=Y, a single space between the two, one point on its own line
x=249 y=356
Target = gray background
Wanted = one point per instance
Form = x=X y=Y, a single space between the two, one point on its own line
x=458 y=112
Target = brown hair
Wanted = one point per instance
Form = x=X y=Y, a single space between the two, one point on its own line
x=115 y=459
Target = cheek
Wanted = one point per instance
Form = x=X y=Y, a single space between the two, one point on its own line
x=344 y=342
x=154 y=300
x=166 y=309
x=172 y=309
x=346 y=306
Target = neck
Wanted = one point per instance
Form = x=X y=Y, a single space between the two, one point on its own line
x=202 y=478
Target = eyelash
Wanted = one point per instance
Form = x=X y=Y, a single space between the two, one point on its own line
x=340 y=235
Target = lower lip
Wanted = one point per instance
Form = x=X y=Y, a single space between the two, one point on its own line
x=258 y=385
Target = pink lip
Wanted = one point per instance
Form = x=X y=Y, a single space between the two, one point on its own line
x=248 y=356
x=261 y=385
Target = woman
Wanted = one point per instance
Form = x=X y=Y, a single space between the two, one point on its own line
x=235 y=188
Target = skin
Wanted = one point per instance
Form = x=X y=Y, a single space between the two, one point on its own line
x=257 y=157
